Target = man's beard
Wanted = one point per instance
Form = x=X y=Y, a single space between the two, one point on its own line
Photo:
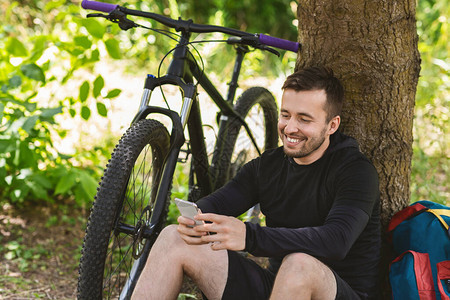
x=311 y=145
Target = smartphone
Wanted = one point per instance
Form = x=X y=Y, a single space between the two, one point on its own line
x=188 y=209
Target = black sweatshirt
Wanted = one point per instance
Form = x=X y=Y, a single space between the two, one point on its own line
x=328 y=209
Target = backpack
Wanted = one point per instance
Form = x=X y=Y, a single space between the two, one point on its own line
x=420 y=237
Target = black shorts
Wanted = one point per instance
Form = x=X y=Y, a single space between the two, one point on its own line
x=247 y=280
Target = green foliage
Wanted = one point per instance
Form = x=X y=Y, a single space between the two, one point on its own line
x=49 y=52
x=431 y=121
x=36 y=56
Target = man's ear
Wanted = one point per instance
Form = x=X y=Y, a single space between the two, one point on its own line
x=334 y=124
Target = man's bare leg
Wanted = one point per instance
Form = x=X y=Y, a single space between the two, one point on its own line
x=302 y=276
x=171 y=258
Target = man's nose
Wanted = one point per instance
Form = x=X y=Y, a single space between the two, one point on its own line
x=291 y=126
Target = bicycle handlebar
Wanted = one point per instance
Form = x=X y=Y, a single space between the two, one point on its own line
x=190 y=26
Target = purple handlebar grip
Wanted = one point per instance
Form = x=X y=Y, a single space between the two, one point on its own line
x=279 y=43
x=99 y=6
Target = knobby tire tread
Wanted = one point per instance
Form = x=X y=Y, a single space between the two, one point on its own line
x=108 y=201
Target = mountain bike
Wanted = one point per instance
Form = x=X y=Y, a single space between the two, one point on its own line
x=131 y=205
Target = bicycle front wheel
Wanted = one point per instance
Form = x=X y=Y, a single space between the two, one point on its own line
x=114 y=250
x=235 y=148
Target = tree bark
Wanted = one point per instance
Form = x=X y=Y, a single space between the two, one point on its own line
x=372 y=48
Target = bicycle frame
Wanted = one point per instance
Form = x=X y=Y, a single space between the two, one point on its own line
x=182 y=70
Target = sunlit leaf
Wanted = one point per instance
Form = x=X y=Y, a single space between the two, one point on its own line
x=112 y=46
x=94 y=27
x=99 y=83
x=39 y=46
x=15 y=47
x=84 y=91
x=83 y=41
x=85 y=112
x=101 y=109
x=113 y=93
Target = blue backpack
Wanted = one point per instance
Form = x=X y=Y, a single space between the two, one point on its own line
x=421 y=242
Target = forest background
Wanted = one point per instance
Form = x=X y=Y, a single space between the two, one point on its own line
x=68 y=91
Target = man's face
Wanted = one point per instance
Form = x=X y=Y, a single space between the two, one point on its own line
x=303 y=126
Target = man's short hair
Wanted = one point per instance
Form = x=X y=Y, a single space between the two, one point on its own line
x=319 y=78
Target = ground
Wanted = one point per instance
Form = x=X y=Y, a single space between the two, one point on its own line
x=39 y=252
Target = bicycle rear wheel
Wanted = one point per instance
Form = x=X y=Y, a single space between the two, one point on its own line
x=235 y=148
x=114 y=250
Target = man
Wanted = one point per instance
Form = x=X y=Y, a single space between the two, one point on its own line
x=321 y=201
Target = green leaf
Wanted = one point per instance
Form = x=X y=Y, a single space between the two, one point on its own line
x=72 y=112
x=15 y=47
x=85 y=112
x=113 y=93
x=7 y=145
x=50 y=112
x=15 y=81
x=99 y=83
x=94 y=27
x=88 y=183
x=27 y=156
x=84 y=91
x=83 y=41
x=40 y=44
x=65 y=183
x=41 y=180
x=33 y=71
x=112 y=46
x=29 y=124
x=95 y=56
x=2 y=108
x=101 y=109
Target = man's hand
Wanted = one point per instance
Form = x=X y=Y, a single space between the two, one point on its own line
x=229 y=232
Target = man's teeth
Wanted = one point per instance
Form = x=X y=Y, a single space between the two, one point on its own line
x=292 y=140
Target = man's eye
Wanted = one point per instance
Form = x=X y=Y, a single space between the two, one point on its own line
x=305 y=120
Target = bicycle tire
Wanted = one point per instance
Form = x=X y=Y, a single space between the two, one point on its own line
x=128 y=184
x=232 y=152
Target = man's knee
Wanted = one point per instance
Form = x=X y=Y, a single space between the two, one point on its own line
x=303 y=272
x=169 y=237
x=169 y=231
x=300 y=261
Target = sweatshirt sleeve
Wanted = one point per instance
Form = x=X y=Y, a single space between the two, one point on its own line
x=331 y=241
x=235 y=197
x=228 y=201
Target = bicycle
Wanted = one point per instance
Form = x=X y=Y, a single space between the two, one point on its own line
x=131 y=204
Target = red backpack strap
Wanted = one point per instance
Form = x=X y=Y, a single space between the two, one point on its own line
x=443 y=270
x=422 y=274
x=404 y=214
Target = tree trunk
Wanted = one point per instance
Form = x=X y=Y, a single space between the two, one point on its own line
x=372 y=48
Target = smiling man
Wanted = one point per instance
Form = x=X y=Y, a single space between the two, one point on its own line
x=320 y=196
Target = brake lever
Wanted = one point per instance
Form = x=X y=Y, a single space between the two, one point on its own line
x=97 y=16
x=116 y=16
x=252 y=42
x=271 y=50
